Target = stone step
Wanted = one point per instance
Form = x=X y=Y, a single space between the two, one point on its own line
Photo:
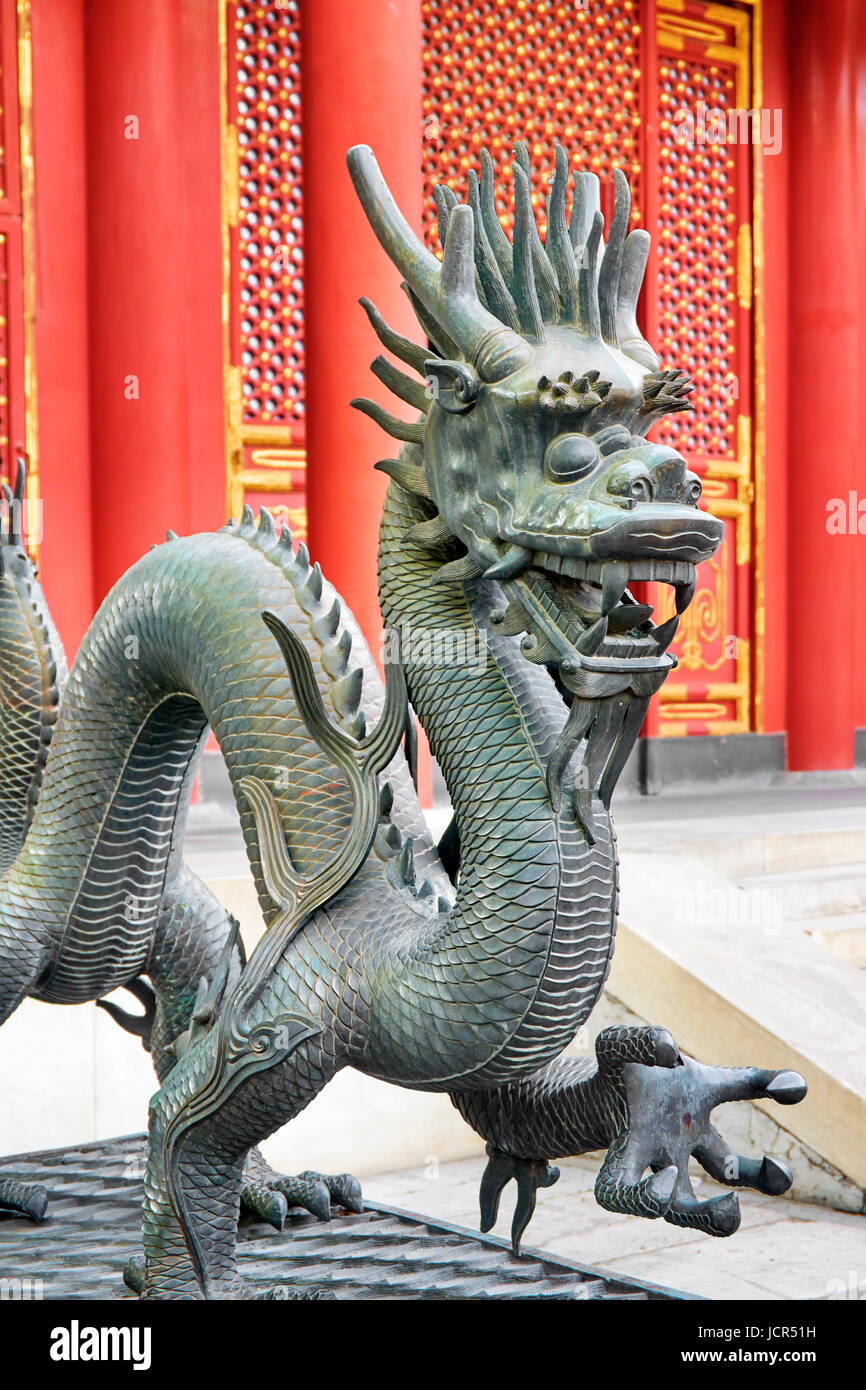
x=844 y=935
x=748 y=834
x=734 y=993
x=820 y=891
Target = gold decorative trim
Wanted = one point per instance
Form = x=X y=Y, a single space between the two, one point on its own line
x=231 y=375
x=28 y=252
x=760 y=378
x=744 y=266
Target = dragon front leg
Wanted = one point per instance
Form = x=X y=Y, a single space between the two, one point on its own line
x=649 y=1106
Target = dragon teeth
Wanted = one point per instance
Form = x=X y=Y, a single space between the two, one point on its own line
x=680 y=573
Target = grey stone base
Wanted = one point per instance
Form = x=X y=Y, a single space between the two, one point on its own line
x=93 y=1226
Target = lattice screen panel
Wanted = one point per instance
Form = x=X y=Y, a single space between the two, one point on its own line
x=697 y=251
x=265 y=378
x=496 y=71
x=702 y=321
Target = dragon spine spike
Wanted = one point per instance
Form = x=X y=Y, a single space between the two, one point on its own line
x=302 y=557
x=358 y=725
x=386 y=798
x=411 y=353
x=346 y=693
x=314 y=583
x=326 y=624
x=335 y=655
x=406 y=864
x=267 y=529
x=390 y=841
x=247 y=524
x=285 y=538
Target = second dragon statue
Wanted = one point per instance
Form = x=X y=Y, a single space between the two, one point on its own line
x=523 y=503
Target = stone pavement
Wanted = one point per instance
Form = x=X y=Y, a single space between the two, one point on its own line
x=783 y=1249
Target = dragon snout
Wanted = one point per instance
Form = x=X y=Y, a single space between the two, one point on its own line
x=663 y=531
x=654 y=474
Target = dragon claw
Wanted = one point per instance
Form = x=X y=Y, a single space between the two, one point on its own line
x=786 y=1088
x=23 y=1199
x=265 y=1203
x=717 y=1216
x=666 y=1120
x=529 y=1174
x=343 y=1189
x=267 y=1195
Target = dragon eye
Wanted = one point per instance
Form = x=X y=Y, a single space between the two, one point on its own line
x=641 y=490
x=569 y=457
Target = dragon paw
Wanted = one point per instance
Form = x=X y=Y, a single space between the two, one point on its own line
x=529 y=1173
x=660 y=1103
x=23 y=1199
x=267 y=1195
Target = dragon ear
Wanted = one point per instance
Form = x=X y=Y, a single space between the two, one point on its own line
x=453 y=385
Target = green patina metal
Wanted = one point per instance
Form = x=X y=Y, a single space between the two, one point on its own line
x=524 y=502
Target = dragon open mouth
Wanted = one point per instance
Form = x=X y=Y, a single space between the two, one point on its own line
x=579 y=614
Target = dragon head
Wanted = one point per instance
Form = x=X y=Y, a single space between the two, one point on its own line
x=531 y=448
x=540 y=393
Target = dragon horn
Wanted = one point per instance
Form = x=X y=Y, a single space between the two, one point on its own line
x=629 y=336
x=447 y=290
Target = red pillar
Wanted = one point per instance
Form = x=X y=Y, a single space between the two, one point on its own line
x=154 y=237
x=825 y=138
x=362 y=85
x=772 y=625
x=57 y=30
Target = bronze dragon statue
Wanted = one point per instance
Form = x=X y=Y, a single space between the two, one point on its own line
x=524 y=502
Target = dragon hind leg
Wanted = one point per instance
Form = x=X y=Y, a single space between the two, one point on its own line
x=22 y=961
x=194 y=1186
x=649 y=1106
x=193 y=944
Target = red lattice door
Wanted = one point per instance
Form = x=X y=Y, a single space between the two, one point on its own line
x=700 y=316
x=263 y=254
x=608 y=78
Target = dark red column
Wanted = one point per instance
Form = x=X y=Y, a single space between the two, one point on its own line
x=362 y=85
x=154 y=271
x=824 y=131
x=60 y=288
x=771 y=617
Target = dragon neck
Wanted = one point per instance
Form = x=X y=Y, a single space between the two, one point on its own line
x=527 y=873
x=33 y=672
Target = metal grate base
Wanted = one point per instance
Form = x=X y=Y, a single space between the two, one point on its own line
x=93 y=1227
